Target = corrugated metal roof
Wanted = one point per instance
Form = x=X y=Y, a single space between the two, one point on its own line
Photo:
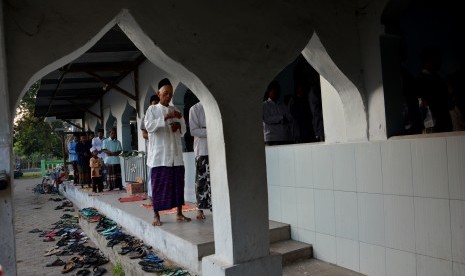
x=68 y=92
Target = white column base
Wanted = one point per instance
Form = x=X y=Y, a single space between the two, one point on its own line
x=269 y=265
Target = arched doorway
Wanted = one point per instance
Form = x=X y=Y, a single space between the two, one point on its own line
x=129 y=128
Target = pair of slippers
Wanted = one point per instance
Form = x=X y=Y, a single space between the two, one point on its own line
x=57 y=262
x=97 y=272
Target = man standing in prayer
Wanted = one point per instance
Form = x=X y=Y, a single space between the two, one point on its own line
x=112 y=148
x=202 y=169
x=165 y=126
x=83 y=152
x=276 y=117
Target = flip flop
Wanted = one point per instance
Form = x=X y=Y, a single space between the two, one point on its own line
x=57 y=262
x=83 y=272
x=99 y=271
x=52 y=252
x=182 y=218
x=139 y=252
x=150 y=268
x=70 y=265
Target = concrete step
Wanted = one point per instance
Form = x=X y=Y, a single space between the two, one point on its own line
x=279 y=231
x=292 y=250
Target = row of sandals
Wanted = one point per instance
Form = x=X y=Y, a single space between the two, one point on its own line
x=131 y=246
x=71 y=241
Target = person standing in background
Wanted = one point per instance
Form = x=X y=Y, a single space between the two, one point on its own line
x=276 y=117
x=83 y=152
x=73 y=157
x=112 y=148
x=202 y=168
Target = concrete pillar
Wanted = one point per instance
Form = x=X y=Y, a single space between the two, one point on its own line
x=239 y=193
x=7 y=239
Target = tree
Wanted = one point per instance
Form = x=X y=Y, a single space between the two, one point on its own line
x=33 y=137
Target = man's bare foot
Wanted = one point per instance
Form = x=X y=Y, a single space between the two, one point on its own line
x=156 y=221
x=200 y=214
x=181 y=217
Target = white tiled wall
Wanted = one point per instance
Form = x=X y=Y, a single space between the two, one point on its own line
x=381 y=208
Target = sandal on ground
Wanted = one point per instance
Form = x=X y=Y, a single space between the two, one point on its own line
x=70 y=265
x=200 y=215
x=182 y=218
x=150 y=268
x=57 y=262
x=139 y=252
x=83 y=272
x=52 y=252
x=99 y=271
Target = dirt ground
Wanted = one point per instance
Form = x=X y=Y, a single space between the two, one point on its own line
x=36 y=211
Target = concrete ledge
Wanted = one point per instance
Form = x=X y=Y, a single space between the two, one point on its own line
x=269 y=265
x=163 y=239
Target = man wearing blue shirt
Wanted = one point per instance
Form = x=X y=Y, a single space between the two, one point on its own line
x=73 y=157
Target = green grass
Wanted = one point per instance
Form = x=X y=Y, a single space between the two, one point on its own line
x=117 y=269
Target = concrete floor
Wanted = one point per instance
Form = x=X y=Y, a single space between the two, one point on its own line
x=36 y=211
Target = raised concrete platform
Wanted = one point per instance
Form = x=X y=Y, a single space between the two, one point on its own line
x=183 y=243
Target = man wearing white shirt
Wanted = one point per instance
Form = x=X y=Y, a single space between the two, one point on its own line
x=202 y=169
x=165 y=126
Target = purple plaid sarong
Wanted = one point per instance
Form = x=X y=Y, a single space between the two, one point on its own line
x=167 y=187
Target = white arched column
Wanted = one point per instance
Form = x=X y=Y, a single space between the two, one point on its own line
x=353 y=125
x=239 y=190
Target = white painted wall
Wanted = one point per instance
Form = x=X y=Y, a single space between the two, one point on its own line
x=391 y=207
x=333 y=113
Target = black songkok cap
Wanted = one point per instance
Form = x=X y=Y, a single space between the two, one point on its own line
x=164 y=82
x=154 y=98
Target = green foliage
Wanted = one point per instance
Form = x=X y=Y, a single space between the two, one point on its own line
x=33 y=138
x=117 y=270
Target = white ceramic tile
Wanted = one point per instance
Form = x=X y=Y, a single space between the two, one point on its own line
x=295 y=233
x=346 y=214
x=371 y=218
x=348 y=254
x=324 y=212
x=289 y=205
x=372 y=260
x=457 y=217
x=428 y=266
x=368 y=167
x=458 y=269
x=286 y=166
x=456 y=165
x=306 y=236
x=303 y=166
x=272 y=165
x=432 y=227
x=400 y=263
x=397 y=168
x=344 y=167
x=429 y=165
x=322 y=167
x=305 y=208
x=399 y=222
x=325 y=248
x=274 y=203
